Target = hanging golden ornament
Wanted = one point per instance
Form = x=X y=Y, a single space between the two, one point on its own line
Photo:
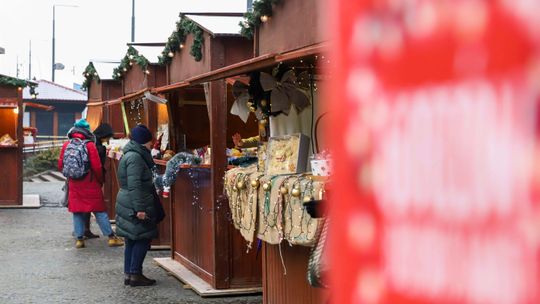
x=307 y=199
x=255 y=183
x=264 y=103
x=295 y=192
x=252 y=109
x=284 y=190
x=267 y=186
x=240 y=185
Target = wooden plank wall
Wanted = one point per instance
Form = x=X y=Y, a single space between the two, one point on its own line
x=293 y=287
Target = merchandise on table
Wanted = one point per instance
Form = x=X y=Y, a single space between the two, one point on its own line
x=321 y=164
x=241 y=186
x=6 y=140
x=165 y=181
x=287 y=154
x=167 y=155
x=272 y=206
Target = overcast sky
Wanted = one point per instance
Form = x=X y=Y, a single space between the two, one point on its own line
x=96 y=29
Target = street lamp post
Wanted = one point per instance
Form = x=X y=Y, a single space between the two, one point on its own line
x=54 y=36
x=133 y=21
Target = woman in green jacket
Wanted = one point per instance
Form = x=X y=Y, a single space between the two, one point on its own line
x=136 y=211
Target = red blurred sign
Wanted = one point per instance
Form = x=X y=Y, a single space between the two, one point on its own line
x=437 y=167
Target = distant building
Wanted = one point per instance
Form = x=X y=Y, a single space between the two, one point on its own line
x=68 y=105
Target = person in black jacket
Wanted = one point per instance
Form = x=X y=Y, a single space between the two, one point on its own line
x=102 y=134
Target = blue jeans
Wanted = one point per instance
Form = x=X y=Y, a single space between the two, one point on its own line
x=102 y=218
x=134 y=255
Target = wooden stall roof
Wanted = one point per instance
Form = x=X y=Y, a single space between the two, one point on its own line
x=293 y=24
x=217 y=25
x=246 y=66
x=105 y=69
x=222 y=45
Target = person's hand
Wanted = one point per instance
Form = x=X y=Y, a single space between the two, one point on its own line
x=237 y=140
x=141 y=215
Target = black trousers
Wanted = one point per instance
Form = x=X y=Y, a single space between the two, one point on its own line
x=134 y=254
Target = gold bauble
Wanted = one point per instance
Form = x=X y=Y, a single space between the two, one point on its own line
x=307 y=199
x=255 y=183
x=264 y=102
x=284 y=190
x=240 y=185
x=252 y=109
x=267 y=186
x=295 y=192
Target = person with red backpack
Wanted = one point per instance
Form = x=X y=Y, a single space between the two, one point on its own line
x=79 y=162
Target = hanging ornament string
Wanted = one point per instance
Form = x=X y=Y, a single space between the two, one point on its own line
x=194 y=177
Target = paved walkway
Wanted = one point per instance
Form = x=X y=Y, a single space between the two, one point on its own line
x=39 y=264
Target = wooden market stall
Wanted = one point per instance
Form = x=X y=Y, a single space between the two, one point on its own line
x=282 y=44
x=11 y=141
x=207 y=252
x=139 y=71
x=101 y=87
x=285 y=33
x=284 y=267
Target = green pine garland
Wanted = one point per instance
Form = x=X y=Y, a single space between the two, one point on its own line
x=12 y=82
x=16 y=82
x=89 y=74
x=253 y=19
x=184 y=27
x=132 y=56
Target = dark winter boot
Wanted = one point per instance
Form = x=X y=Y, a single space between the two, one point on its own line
x=140 y=280
x=89 y=235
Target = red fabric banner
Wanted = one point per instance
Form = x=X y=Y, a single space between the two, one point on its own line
x=437 y=159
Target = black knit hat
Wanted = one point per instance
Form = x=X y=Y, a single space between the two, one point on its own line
x=104 y=130
x=141 y=134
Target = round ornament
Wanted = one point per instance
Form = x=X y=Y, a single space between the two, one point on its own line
x=240 y=185
x=255 y=183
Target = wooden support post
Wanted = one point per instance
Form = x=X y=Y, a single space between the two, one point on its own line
x=20 y=138
x=218 y=142
x=55 y=124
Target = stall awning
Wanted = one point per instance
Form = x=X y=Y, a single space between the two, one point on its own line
x=170 y=87
x=94 y=114
x=246 y=66
x=38 y=106
x=128 y=97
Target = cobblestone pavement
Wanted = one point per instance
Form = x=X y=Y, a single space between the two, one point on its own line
x=39 y=264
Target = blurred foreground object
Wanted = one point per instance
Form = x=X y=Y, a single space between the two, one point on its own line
x=437 y=192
